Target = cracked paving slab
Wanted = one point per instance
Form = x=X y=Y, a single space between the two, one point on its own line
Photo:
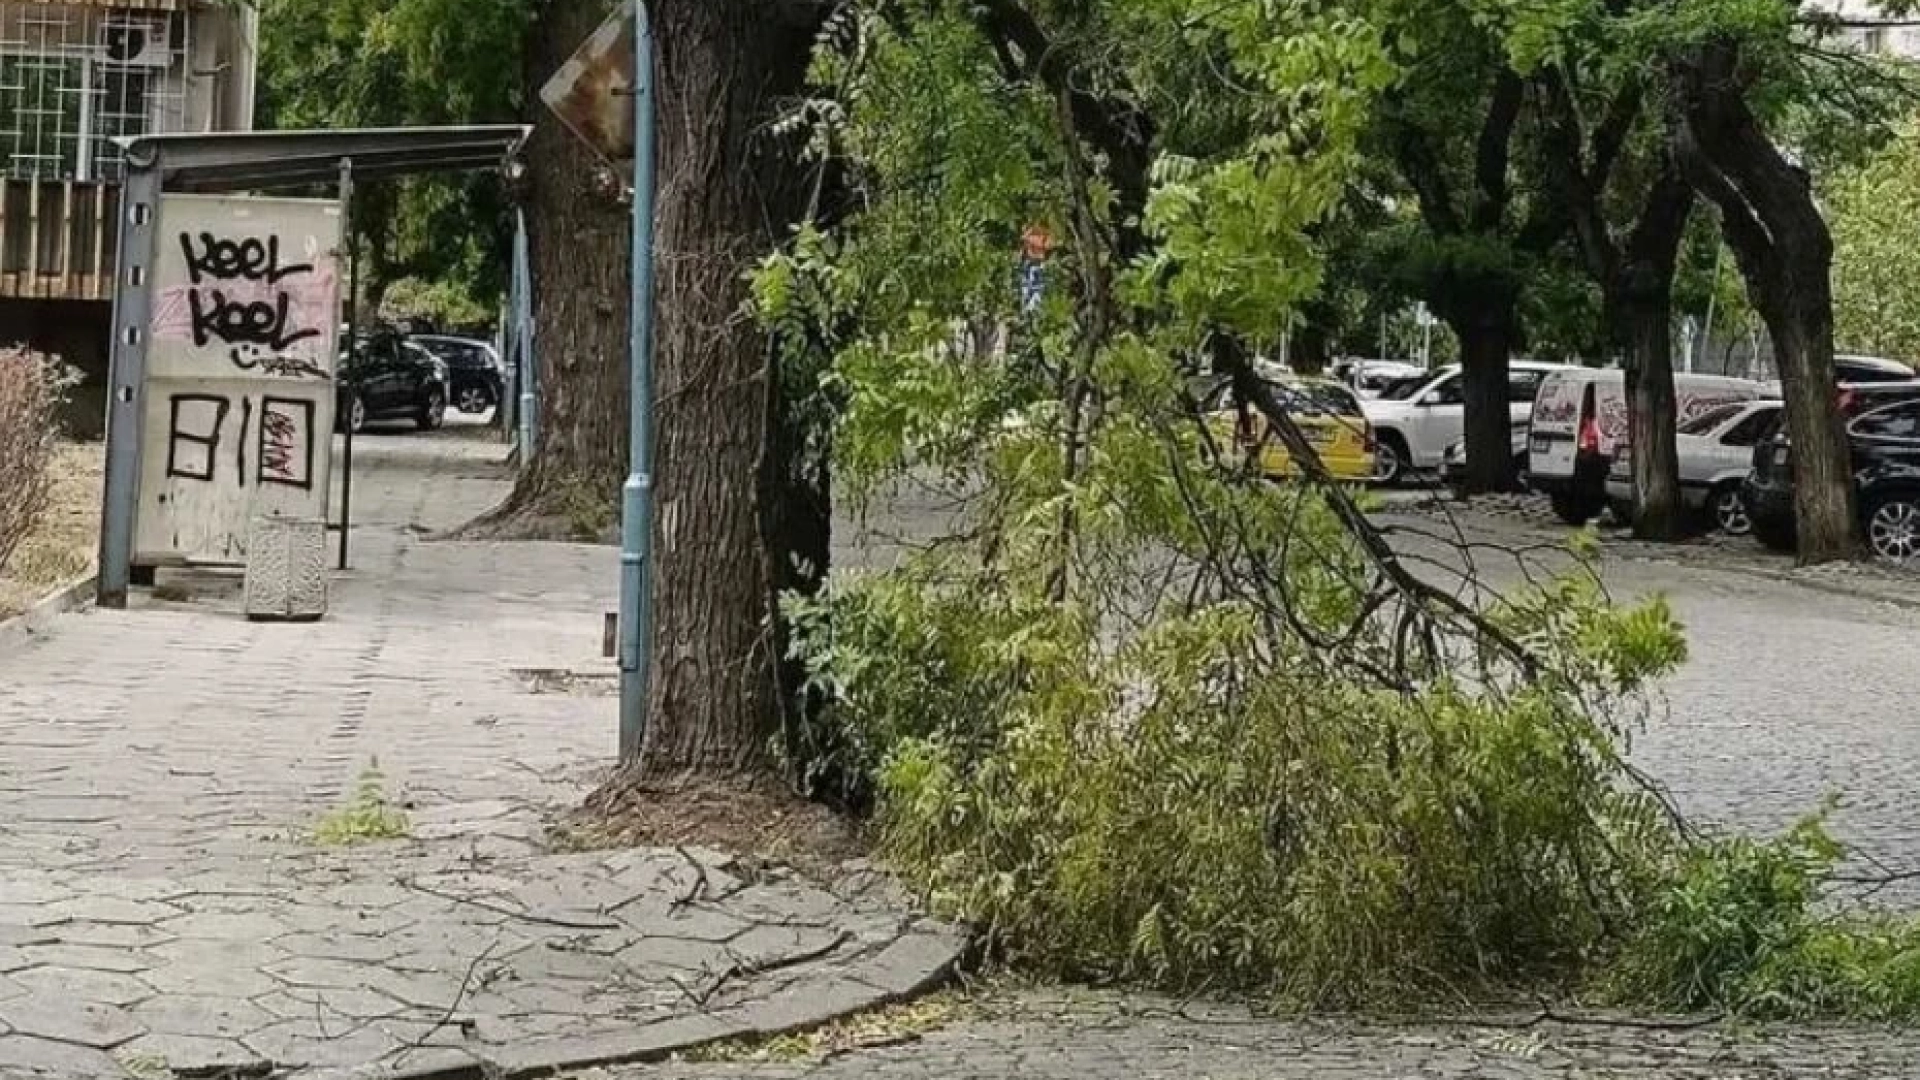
x=163 y=908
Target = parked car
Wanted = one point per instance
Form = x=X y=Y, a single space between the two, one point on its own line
x=476 y=376
x=385 y=376
x=1369 y=378
x=1580 y=426
x=1414 y=422
x=1327 y=413
x=1453 y=468
x=1870 y=369
x=1715 y=453
x=1883 y=436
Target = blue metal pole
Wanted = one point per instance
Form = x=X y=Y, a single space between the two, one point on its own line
x=529 y=413
x=636 y=522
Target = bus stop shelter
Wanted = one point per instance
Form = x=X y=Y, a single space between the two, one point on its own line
x=236 y=163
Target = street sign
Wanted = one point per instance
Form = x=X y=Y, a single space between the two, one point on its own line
x=592 y=93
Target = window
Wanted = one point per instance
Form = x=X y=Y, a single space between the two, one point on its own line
x=1451 y=392
x=1900 y=422
x=1753 y=429
x=1522 y=386
x=1706 y=422
x=42 y=108
x=75 y=77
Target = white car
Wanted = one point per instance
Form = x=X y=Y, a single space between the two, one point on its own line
x=1370 y=377
x=1715 y=451
x=1414 y=422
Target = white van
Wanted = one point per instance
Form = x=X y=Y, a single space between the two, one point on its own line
x=1580 y=424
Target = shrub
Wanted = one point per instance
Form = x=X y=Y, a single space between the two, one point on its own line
x=29 y=393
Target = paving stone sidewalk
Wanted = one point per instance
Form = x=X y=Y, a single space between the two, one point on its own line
x=1104 y=1036
x=165 y=910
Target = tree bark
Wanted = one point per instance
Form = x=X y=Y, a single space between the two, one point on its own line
x=579 y=239
x=1653 y=419
x=1486 y=344
x=1785 y=253
x=741 y=503
x=1635 y=278
x=729 y=195
x=1641 y=297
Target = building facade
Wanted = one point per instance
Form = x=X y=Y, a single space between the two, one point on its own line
x=74 y=76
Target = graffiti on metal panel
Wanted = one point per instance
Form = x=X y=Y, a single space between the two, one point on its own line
x=286 y=442
x=279 y=431
x=242 y=296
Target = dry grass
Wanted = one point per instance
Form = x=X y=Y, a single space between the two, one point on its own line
x=62 y=545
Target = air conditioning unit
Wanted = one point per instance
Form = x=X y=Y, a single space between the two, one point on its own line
x=134 y=39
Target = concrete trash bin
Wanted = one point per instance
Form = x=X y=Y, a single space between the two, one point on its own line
x=286 y=569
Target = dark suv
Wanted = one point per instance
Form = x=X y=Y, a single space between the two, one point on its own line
x=386 y=377
x=1883 y=433
x=473 y=368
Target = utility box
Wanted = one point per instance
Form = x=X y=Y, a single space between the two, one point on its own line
x=286 y=569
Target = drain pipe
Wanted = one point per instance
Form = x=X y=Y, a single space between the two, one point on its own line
x=636 y=496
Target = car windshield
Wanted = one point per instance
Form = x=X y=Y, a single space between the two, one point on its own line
x=1319 y=399
x=1404 y=389
x=1709 y=420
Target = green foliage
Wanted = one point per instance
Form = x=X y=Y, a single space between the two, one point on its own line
x=1186 y=812
x=444 y=302
x=366 y=818
x=1142 y=715
x=1876 y=267
x=385 y=63
x=1741 y=927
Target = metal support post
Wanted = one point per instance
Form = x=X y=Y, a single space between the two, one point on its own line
x=636 y=522
x=345 y=348
x=526 y=369
x=127 y=389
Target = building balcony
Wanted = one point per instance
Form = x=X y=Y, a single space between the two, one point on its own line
x=58 y=239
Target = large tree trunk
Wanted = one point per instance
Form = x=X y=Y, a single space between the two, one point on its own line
x=579 y=240
x=1785 y=252
x=1642 y=295
x=1652 y=419
x=1486 y=345
x=729 y=194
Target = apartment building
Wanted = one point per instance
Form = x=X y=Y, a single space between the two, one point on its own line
x=74 y=76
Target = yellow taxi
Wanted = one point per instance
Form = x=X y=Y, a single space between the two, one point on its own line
x=1327 y=413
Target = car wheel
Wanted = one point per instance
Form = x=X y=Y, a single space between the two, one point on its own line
x=1389 y=461
x=1730 y=511
x=434 y=411
x=356 y=418
x=1520 y=476
x=1893 y=528
x=1574 y=509
x=1621 y=510
x=473 y=400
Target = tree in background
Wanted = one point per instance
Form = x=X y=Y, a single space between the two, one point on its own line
x=1876 y=264
x=382 y=63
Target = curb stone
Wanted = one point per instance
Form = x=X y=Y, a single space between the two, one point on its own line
x=926 y=959
x=34 y=621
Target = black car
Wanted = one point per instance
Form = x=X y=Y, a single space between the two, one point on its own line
x=476 y=382
x=386 y=377
x=1883 y=433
